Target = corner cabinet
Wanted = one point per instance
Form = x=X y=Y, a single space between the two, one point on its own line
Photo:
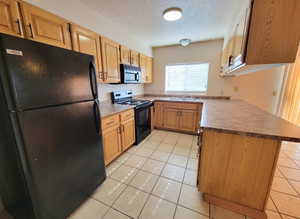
x=118 y=133
x=45 y=27
x=110 y=60
x=10 y=18
x=265 y=34
x=183 y=117
x=88 y=42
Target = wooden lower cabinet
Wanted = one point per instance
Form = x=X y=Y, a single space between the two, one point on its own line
x=244 y=165
x=177 y=116
x=118 y=134
x=158 y=114
x=128 y=133
x=111 y=144
x=188 y=120
x=170 y=118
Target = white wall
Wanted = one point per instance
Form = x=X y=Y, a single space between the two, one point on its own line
x=257 y=88
x=208 y=51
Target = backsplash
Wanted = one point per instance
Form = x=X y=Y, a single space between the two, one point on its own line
x=105 y=89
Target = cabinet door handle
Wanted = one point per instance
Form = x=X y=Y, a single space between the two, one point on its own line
x=30 y=29
x=19 y=27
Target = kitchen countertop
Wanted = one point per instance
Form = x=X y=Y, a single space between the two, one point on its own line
x=225 y=115
x=108 y=109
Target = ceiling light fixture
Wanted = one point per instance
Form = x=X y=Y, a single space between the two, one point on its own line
x=185 y=42
x=172 y=14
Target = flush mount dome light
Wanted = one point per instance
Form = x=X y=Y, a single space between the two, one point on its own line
x=172 y=14
x=185 y=42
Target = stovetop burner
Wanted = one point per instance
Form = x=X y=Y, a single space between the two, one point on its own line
x=133 y=102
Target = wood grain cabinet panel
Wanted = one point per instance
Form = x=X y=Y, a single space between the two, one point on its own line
x=134 y=58
x=125 y=55
x=244 y=165
x=188 y=120
x=110 y=60
x=158 y=114
x=88 y=42
x=149 y=70
x=143 y=66
x=10 y=19
x=45 y=27
x=118 y=134
x=171 y=119
x=112 y=143
x=128 y=133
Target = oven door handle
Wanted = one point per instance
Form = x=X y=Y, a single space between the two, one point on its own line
x=144 y=106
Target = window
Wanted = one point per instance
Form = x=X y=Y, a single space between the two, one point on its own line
x=187 y=77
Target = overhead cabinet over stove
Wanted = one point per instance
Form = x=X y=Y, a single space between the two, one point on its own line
x=265 y=34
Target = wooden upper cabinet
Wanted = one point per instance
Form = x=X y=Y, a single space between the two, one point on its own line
x=125 y=55
x=110 y=60
x=149 y=70
x=265 y=34
x=45 y=27
x=134 y=58
x=143 y=66
x=88 y=42
x=10 y=19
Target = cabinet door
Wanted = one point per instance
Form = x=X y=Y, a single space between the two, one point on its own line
x=188 y=120
x=10 y=19
x=158 y=115
x=128 y=133
x=110 y=60
x=125 y=55
x=149 y=70
x=88 y=42
x=135 y=58
x=111 y=143
x=171 y=118
x=45 y=27
x=143 y=66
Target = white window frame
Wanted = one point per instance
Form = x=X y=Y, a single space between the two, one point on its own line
x=185 y=92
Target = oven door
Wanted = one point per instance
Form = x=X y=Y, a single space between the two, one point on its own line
x=142 y=122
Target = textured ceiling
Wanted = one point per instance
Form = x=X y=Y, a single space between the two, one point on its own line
x=202 y=19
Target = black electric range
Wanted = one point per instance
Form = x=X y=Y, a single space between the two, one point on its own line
x=142 y=112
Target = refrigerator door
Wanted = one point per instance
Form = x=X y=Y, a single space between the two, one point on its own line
x=62 y=155
x=40 y=75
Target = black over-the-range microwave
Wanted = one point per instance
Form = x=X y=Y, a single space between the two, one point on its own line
x=130 y=74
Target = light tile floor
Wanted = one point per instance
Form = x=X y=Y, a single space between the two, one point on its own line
x=157 y=180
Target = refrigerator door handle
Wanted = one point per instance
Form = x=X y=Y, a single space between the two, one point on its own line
x=93 y=80
x=97 y=116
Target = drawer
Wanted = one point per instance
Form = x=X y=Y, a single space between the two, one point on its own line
x=127 y=115
x=110 y=121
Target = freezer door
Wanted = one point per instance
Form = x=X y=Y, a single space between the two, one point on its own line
x=40 y=75
x=63 y=156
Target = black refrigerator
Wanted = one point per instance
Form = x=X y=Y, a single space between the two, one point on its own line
x=51 y=154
